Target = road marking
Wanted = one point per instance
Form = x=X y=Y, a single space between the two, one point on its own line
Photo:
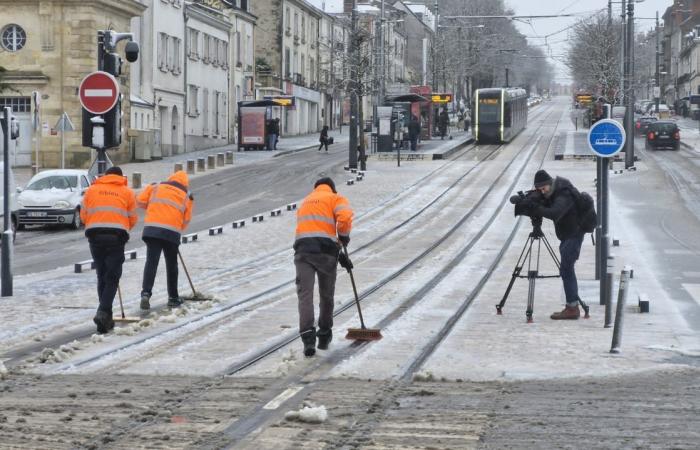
x=677 y=251
x=283 y=397
x=693 y=290
x=98 y=93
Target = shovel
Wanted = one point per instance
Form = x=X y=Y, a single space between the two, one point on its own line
x=363 y=333
x=123 y=318
x=196 y=296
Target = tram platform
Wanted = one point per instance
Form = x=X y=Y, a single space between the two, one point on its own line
x=429 y=150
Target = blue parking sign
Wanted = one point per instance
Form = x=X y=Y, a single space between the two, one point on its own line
x=606 y=138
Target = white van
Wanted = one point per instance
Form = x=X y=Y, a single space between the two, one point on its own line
x=13 y=199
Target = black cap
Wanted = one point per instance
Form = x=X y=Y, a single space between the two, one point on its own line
x=327 y=181
x=114 y=170
x=542 y=178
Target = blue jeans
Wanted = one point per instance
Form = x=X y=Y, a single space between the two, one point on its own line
x=272 y=142
x=569 y=249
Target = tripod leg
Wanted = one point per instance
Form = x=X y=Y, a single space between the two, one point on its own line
x=531 y=277
x=516 y=273
x=551 y=251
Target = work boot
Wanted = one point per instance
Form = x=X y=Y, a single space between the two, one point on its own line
x=324 y=338
x=570 y=312
x=104 y=322
x=308 y=337
x=145 y=301
x=174 y=302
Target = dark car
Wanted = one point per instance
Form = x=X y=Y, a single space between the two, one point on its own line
x=642 y=124
x=663 y=134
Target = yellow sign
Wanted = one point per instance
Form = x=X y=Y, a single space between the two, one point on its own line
x=441 y=98
x=488 y=101
x=584 y=98
x=283 y=101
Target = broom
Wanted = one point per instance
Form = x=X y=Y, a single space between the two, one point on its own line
x=196 y=296
x=363 y=333
x=123 y=318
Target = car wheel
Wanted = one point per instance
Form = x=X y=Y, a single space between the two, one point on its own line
x=77 y=223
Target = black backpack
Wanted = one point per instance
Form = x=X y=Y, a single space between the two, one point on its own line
x=585 y=210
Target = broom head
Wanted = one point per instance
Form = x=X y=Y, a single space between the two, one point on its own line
x=196 y=297
x=127 y=319
x=363 y=334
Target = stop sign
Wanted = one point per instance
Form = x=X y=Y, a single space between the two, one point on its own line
x=99 y=92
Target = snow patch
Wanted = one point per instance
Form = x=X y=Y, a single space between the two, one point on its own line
x=126 y=331
x=172 y=318
x=424 y=375
x=50 y=355
x=310 y=413
x=3 y=371
x=680 y=351
x=96 y=338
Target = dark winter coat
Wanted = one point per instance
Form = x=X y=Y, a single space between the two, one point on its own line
x=560 y=208
x=413 y=129
x=273 y=127
x=324 y=135
x=443 y=120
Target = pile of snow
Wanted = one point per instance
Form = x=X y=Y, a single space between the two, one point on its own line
x=3 y=371
x=310 y=413
x=129 y=330
x=96 y=338
x=424 y=376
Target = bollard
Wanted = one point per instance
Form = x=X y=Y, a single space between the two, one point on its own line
x=609 y=280
x=619 y=314
x=178 y=167
x=136 y=180
x=211 y=161
x=229 y=157
x=219 y=159
x=190 y=166
x=201 y=164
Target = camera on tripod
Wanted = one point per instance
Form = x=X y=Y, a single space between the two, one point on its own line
x=525 y=201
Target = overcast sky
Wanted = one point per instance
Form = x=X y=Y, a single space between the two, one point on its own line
x=558 y=42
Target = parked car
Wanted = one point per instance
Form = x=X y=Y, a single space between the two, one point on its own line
x=53 y=197
x=663 y=134
x=13 y=201
x=642 y=124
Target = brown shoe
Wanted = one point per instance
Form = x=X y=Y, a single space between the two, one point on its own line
x=568 y=313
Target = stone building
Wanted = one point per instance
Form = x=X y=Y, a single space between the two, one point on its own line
x=49 y=46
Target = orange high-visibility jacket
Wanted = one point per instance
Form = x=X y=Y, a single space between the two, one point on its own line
x=109 y=203
x=168 y=207
x=323 y=215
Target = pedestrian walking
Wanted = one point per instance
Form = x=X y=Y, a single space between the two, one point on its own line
x=108 y=210
x=323 y=139
x=559 y=205
x=168 y=208
x=414 y=132
x=323 y=221
x=273 y=132
x=467 y=119
x=443 y=122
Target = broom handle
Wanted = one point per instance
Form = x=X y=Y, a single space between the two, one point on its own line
x=186 y=272
x=121 y=305
x=354 y=290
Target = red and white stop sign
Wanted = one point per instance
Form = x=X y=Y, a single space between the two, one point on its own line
x=99 y=92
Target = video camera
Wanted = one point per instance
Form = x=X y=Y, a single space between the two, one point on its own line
x=525 y=201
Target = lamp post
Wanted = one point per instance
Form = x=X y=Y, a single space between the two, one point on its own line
x=629 y=95
x=353 y=88
x=657 y=86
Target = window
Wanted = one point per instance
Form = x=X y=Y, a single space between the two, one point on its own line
x=193 y=100
x=205 y=49
x=205 y=111
x=296 y=24
x=163 y=52
x=18 y=104
x=303 y=28
x=84 y=182
x=13 y=38
x=302 y=69
x=312 y=68
x=224 y=58
x=286 y=22
x=217 y=112
x=193 y=46
x=250 y=52
x=214 y=51
x=287 y=64
x=175 y=65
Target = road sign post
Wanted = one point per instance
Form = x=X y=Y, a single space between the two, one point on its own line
x=64 y=124
x=605 y=138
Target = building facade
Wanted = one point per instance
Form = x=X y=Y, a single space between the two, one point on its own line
x=48 y=47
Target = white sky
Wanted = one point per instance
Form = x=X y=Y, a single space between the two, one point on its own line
x=558 y=43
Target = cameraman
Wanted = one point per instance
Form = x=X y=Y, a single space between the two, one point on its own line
x=558 y=205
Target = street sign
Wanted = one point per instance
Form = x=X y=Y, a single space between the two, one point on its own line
x=64 y=123
x=657 y=91
x=99 y=92
x=606 y=138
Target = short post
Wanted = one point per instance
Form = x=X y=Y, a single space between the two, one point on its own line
x=607 y=295
x=229 y=157
x=190 y=166
x=220 y=159
x=178 y=167
x=136 y=180
x=619 y=313
x=201 y=164
x=211 y=161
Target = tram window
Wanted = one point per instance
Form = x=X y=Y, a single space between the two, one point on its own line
x=489 y=110
x=507 y=115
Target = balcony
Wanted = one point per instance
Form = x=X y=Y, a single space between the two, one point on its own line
x=298 y=79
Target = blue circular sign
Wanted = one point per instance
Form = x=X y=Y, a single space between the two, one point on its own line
x=606 y=138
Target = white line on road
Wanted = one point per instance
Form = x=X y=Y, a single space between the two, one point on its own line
x=693 y=290
x=98 y=92
x=283 y=397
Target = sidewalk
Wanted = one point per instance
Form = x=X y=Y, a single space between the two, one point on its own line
x=690 y=132
x=158 y=170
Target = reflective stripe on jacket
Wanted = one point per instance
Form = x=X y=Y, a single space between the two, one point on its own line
x=109 y=204
x=168 y=207
x=323 y=215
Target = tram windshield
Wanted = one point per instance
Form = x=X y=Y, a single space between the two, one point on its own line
x=489 y=110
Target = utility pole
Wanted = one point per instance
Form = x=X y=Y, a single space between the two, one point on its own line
x=609 y=13
x=382 y=63
x=353 y=88
x=629 y=95
x=436 y=42
x=622 y=52
x=657 y=82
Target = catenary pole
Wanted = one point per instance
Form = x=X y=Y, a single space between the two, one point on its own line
x=6 y=289
x=629 y=85
x=657 y=81
x=352 y=150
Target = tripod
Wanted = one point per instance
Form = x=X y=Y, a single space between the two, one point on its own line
x=533 y=268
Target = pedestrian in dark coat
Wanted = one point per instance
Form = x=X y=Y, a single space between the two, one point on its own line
x=414 y=132
x=273 y=130
x=323 y=139
x=443 y=121
x=559 y=206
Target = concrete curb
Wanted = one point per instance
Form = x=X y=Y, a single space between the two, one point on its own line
x=453 y=149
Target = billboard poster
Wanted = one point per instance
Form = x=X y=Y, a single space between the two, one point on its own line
x=253 y=125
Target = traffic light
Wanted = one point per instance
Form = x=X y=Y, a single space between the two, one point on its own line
x=112 y=64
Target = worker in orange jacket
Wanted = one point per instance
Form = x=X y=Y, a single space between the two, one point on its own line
x=324 y=221
x=108 y=210
x=168 y=208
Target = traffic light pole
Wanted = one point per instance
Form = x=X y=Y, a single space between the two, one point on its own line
x=6 y=290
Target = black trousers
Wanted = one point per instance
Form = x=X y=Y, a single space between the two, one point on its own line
x=154 y=247
x=108 y=254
